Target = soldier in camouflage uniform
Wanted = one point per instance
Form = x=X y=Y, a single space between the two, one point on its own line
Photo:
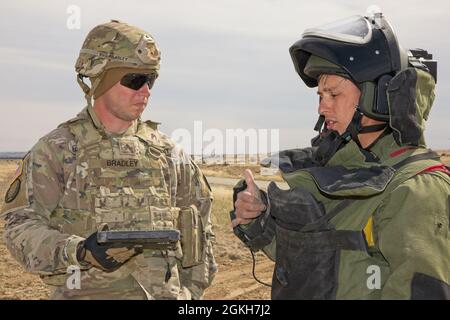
x=106 y=166
x=367 y=212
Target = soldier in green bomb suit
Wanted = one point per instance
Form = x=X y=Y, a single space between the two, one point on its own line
x=367 y=212
x=108 y=167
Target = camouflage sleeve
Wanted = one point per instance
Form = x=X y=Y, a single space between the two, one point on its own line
x=194 y=197
x=411 y=229
x=32 y=197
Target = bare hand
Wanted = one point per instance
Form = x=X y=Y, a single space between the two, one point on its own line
x=248 y=204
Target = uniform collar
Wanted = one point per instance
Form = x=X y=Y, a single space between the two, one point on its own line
x=101 y=128
x=385 y=149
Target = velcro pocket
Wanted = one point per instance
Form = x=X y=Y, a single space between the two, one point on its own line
x=108 y=209
x=162 y=218
x=192 y=237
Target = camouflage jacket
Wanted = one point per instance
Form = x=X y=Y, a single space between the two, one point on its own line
x=78 y=177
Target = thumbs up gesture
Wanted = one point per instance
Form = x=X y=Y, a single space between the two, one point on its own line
x=248 y=204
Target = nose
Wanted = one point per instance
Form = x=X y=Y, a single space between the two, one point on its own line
x=324 y=105
x=144 y=90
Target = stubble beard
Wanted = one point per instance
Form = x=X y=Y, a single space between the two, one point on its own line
x=127 y=114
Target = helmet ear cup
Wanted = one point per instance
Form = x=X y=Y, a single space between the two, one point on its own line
x=381 y=105
x=373 y=101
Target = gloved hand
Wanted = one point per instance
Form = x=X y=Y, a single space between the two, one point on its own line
x=106 y=257
x=248 y=203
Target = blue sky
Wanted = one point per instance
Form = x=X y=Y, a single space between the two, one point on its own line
x=223 y=62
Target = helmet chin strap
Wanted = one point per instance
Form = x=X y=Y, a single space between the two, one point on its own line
x=355 y=127
x=88 y=91
x=328 y=142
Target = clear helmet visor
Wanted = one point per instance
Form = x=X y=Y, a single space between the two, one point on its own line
x=354 y=29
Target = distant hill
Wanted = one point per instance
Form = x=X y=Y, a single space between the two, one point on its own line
x=12 y=155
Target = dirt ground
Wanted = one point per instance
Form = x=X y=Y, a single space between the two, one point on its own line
x=233 y=281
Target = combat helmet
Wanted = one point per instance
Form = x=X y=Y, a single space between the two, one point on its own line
x=115 y=45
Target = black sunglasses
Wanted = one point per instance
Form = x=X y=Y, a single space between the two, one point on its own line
x=135 y=81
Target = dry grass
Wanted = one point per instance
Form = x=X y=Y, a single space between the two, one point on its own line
x=7 y=169
x=222 y=205
x=236 y=171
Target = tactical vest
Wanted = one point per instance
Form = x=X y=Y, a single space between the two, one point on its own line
x=118 y=180
x=314 y=246
x=128 y=182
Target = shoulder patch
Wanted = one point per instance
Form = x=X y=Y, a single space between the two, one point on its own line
x=16 y=195
x=13 y=191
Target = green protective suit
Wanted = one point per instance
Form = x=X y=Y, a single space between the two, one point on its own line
x=370 y=224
